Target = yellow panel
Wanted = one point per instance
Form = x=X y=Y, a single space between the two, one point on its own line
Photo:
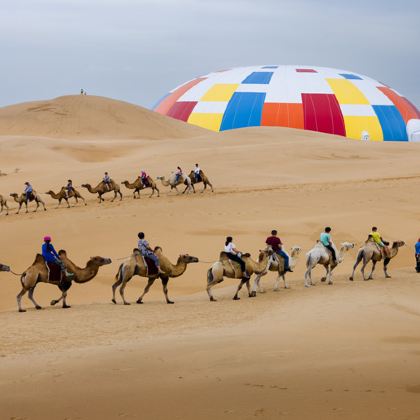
x=356 y=125
x=346 y=92
x=209 y=121
x=221 y=92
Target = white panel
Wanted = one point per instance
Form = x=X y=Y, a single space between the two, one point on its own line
x=372 y=93
x=357 y=110
x=248 y=87
x=210 y=107
x=282 y=86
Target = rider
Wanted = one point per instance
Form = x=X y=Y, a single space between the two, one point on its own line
x=325 y=239
x=28 y=191
x=380 y=243
x=197 y=171
x=107 y=181
x=178 y=174
x=50 y=255
x=235 y=255
x=147 y=251
x=69 y=187
x=276 y=244
x=417 y=248
x=143 y=177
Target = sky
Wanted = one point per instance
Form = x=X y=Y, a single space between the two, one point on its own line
x=137 y=50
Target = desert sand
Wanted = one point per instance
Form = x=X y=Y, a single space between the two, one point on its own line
x=347 y=351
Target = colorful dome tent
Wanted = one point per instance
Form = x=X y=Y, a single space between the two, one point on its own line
x=306 y=97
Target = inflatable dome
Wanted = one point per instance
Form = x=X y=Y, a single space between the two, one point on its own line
x=306 y=97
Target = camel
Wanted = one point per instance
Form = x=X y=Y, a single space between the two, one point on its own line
x=320 y=255
x=204 y=180
x=21 y=199
x=171 y=182
x=102 y=189
x=137 y=186
x=231 y=269
x=3 y=204
x=135 y=265
x=277 y=265
x=61 y=195
x=4 y=268
x=370 y=252
x=38 y=272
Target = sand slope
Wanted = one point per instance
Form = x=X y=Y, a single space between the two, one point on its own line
x=87 y=117
x=347 y=351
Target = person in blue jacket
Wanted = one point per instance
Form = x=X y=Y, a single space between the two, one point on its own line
x=417 y=249
x=51 y=256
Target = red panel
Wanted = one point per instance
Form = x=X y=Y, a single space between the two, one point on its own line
x=181 y=110
x=306 y=71
x=407 y=110
x=282 y=115
x=322 y=113
x=170 y=100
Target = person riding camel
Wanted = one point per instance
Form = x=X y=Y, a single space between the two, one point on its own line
x=28 y=191
x=178 y=174
x=276 y=244
x=144 y=178
x=147 y=251
x=417 y=251
x=51 y=257
x=197 y=173
x=235 y=255
x=107 y=181
x=69 y=188
x=380 y=243
x=326 y=240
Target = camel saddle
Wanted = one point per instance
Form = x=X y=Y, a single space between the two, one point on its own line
x=54 y=273
x=198 y=177
x=146 y=182
x=151 y=266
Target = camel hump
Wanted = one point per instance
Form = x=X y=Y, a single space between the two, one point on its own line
x=223 y=256
x=38 y=259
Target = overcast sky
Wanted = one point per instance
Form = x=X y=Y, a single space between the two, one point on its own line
x=137 y=50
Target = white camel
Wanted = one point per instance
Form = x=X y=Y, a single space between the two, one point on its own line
x=173 y=183
x=277 y=265
x=320 y=255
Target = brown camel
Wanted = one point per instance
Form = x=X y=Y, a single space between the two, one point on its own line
x=4 y=267
x=231 y=269
x=138 y=185
x=38 y=272
x=21 y=199
x=61 y=195
x=277 y=265
x=371 y=252
x=3 y=204
x=203 y=179
x=135 y=265
x=102 y=189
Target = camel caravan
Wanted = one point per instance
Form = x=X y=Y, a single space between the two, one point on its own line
x=58 y=269
x=107 y=186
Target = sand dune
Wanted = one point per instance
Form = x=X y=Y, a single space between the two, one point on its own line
x=88 y=117
x=348 y=351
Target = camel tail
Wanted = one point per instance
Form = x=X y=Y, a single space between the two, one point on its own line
x=209 y=275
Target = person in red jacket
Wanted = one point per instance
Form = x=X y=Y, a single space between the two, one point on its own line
x=276 y=244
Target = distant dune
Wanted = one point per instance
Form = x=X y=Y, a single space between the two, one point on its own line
x=89 y=117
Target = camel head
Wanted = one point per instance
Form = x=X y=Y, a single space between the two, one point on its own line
x=124 y=182
x=398 y=244
x=99 y=261
x=14 y=195
x=50 y=192
x=86 y=186
x=295 y=250
x=187 y=259
x=4 y=267
x=268 y=252
x=161 y=178
x=346 y=246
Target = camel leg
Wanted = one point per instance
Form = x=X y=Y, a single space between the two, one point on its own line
x=158 y=192
x=146 y=289
x=248 y=286
x=386 y=262
x=256 y=285
x=241 y=283
x=114 y=288
x=277 y=284
x=31 y=297
x=19 y=299
x=286 y=285
x=65 y=306
x=165 y=281
x=209 y=290
x=37 y=205
x=67 y=201
x=323 y=279
x=124 y=284
x=115 y=196
x=329 y=275
x=119 y=192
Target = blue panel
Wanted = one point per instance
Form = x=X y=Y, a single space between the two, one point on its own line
x=259 y=78
x=270 y=67
x=243 y=110
x=392 y=123
x=350 y=76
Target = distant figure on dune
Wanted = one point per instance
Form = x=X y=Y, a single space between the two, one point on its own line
x=28 y=191
x=178 y=174
x=82 y=92
x=69 y=188
x=417 y=248
x=197 y=171
x=144 y=178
